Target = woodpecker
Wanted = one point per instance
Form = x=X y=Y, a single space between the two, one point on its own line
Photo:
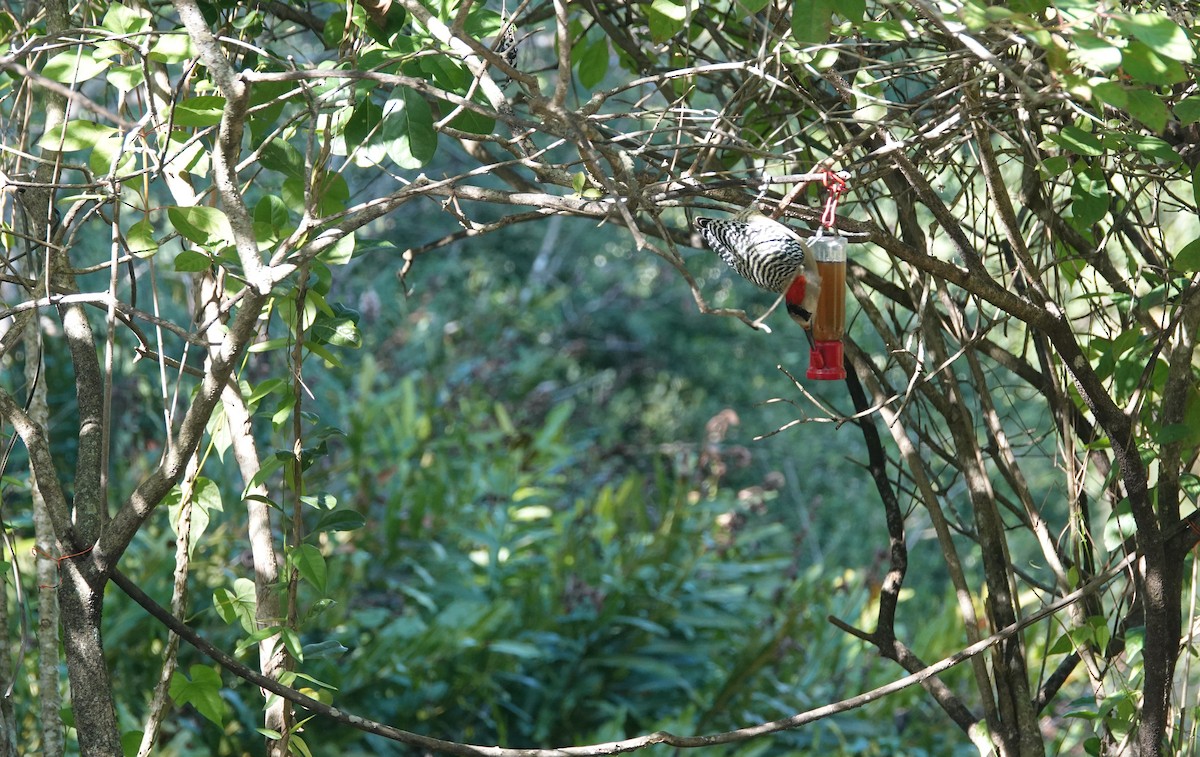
x=769 y=255
x=508 y=44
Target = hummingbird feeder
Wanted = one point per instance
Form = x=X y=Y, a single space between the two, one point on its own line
x=829 y=323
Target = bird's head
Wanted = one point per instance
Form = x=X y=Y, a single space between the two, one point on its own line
x=801 y=297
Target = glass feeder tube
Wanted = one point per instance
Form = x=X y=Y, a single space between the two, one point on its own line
x=829 y=324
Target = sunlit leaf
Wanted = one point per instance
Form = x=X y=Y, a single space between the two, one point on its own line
x=140 y=238
x=307 y=560
x=126 y=78
x=1159 y=32
x=1096 y=53
x=1155 y=147
x=121 y=19
x=1148 y=108
x=173 y=47
x=408 y=129
x=1077 y=140
x=74 y=66
x=203 y=225
x=1149 y=67
x=75 y=135
x=666 y=18
x=237 y=605
x=202 y=691
x=204 y=110
x=190 y=261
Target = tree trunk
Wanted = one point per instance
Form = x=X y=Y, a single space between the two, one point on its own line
x=81 y=598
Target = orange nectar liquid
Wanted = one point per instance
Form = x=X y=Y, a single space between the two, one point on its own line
x=830 y=322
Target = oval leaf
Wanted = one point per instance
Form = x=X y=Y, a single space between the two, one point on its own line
x=203 y=225
x=408 y=130
x=75 y=66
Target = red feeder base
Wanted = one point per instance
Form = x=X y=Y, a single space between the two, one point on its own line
x=825 y=362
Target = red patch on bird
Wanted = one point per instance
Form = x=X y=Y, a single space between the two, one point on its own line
x=795 y=292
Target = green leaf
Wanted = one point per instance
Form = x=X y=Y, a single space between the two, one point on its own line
x=812 y=20
x=190 y=261
x=327 y=648
x=1111 y=93
x=1158 y=32
x=206 y=498
x=204 y=110
x=666 y=19
x=1175 y=432
x=1063 y=645
x=1096 y=53
x=1148 y=108
x=291 y=641
x=272 y=213
x=322 y=501
x=126 y=78
x=121 y=19
x=131 y=742
x=751 y=7
x=307 y=560
x=1187 y=260
x=521 y=649
x=365 y=122
x=202 y=691
x=75 y=135
x=1155 y=147
x=481 y=22
x=855 y=10
x=1148 y=67
x=1187 y=110
x=883 y=31
x=140 y=238
x=335 y=29
x=343 y=519
x=447 y=73
x=1190 y=483
x=1078 y=141
x=408 y=130
x=237 y=605
x=281 y=156
x=74 y=66
x=1089 y=199
x=267 y=345
x=205 y=226
x=173 y=47
x=1187 y=432
x=470 y=121
x=338 y=330
x=320 y=351
x=108 y=156
x=331 y=192
x=593 y=61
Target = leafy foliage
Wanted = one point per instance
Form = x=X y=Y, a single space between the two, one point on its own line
x=522 y=493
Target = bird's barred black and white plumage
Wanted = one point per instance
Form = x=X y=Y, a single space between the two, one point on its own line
x=508 y=43
x=763 y=251
x=769 y=255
